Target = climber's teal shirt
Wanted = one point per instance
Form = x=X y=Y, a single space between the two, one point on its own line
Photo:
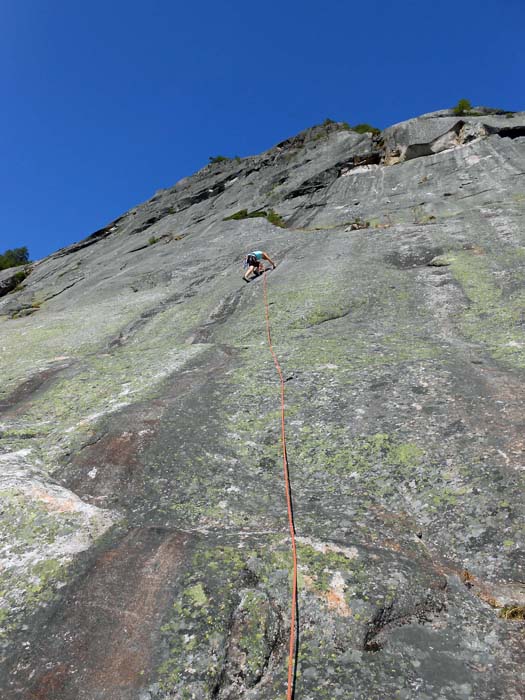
x=257 y=254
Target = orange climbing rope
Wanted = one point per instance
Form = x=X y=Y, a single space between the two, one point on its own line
x=288 y=491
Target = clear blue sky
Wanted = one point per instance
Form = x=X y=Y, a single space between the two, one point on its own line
x=105 y=102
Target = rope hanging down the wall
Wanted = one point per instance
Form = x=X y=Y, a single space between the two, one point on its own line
x=288 y=491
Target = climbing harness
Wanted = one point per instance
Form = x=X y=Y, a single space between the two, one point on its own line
x=288 y=491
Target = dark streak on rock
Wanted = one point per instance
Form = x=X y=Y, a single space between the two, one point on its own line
x=39 y=382
x=102 y=641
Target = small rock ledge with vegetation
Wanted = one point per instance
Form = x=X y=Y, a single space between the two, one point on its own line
x=144 y=545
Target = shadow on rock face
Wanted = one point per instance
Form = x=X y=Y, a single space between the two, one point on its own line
x=404 y=260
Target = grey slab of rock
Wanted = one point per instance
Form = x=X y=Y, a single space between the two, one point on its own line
x=432 y=134
x=139 y=400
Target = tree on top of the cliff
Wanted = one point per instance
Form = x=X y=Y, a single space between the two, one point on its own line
x=462 y=107
x=14 y=258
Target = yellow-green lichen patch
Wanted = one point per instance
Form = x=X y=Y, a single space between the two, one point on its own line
x=197 y=631
x=33 y=546
x=22 y=589
x=321 y=566
x=358 y=468
x=228 y=622
x=353 y=351
x=27 y=522
x=74 y=333
x=494 y=318
x=253 y=634
x=442 y=260
x=333 y=451
x=106 y=377
x=195 y=502
x=197 y=595
x=104 y=384
x=320 y=315
x=313 y=303
x=16 y=439
x=41 y=527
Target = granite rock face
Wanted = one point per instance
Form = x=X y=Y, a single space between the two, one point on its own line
x=144 y=546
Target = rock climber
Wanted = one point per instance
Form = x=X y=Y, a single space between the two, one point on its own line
x=254 y=265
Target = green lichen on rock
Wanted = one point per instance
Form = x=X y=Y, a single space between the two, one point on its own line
x=227 y=626
x=333 y=451
x=197 y=631
x=104 y=383
x=322 y=563
x=42 y=526
x=495 y=315
x=197 y=595
x=26 y=588
x=28 y=522
x=30 y=539
x=254 y=634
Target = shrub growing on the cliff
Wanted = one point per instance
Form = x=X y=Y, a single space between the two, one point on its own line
x=272 y=216
x=245 y=214
x=14 y=258
x=365 y=129
x=224 y=159
x=20 y=277
x=275 y=218
x=462 y=107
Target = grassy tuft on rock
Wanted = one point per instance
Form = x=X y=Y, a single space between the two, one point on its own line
x=245 y=214
x=513 y=612
x=272 y=216
x=365 y=129
x=275 y=218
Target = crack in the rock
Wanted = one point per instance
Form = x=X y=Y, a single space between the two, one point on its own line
x=202 y=195
x=333 y=317
x=324 y=179
x=52 y=296
x=93 y=442
x=219 y=316
x=237 y=682
x=133 y=327
x=386 y=619
x=474 y=194
x=90 y=240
